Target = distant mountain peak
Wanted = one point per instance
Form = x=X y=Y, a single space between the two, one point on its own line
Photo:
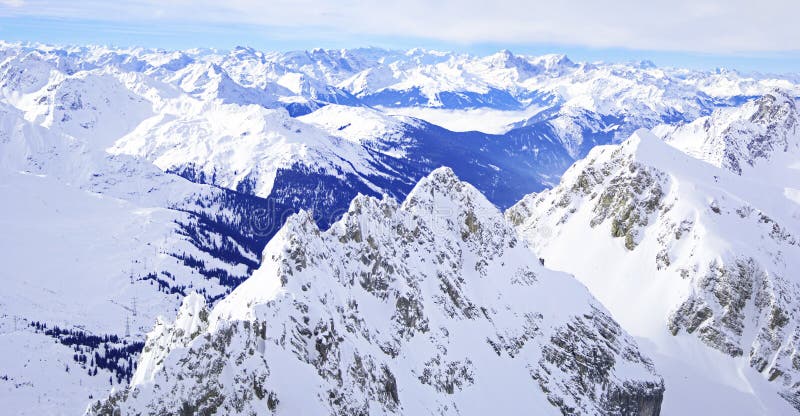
x=743 y=138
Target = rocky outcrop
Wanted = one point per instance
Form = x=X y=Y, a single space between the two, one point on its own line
x=623 y=193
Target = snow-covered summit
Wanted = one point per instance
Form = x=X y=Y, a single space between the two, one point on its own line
x=698 y=259
x=743 y=137
x=393 y=311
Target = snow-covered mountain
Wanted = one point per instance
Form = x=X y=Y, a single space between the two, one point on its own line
x=696 y=235
x=432 y=306
x=134 y=177
x=744 y=139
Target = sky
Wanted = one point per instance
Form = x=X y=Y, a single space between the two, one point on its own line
x=747 y=35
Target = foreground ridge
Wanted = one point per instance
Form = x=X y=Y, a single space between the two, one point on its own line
x=432 y=306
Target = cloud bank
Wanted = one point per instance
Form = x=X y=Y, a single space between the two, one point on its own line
x=713 y=26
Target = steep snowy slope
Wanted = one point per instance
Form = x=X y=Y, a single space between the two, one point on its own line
x=699 y=262
x=91 y=272
x=79 y=262
x=240 y=147
x=429 y=307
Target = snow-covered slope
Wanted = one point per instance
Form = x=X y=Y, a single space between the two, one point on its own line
x=240 y=147
x=358 y=123
x=697 y=261
x=94 y=247
x=429 y=307
x=96 y=270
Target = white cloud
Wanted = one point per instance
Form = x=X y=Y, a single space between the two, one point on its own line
x=680 y=25
x=12 y=3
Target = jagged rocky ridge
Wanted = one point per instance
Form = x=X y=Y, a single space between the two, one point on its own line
x=433 y=306
x=704 y=245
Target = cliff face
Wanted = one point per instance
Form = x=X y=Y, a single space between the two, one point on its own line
x=433 y=306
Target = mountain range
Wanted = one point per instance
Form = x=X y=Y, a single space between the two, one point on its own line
x=253 y=195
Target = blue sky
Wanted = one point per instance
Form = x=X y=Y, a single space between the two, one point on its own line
x=702 y=34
